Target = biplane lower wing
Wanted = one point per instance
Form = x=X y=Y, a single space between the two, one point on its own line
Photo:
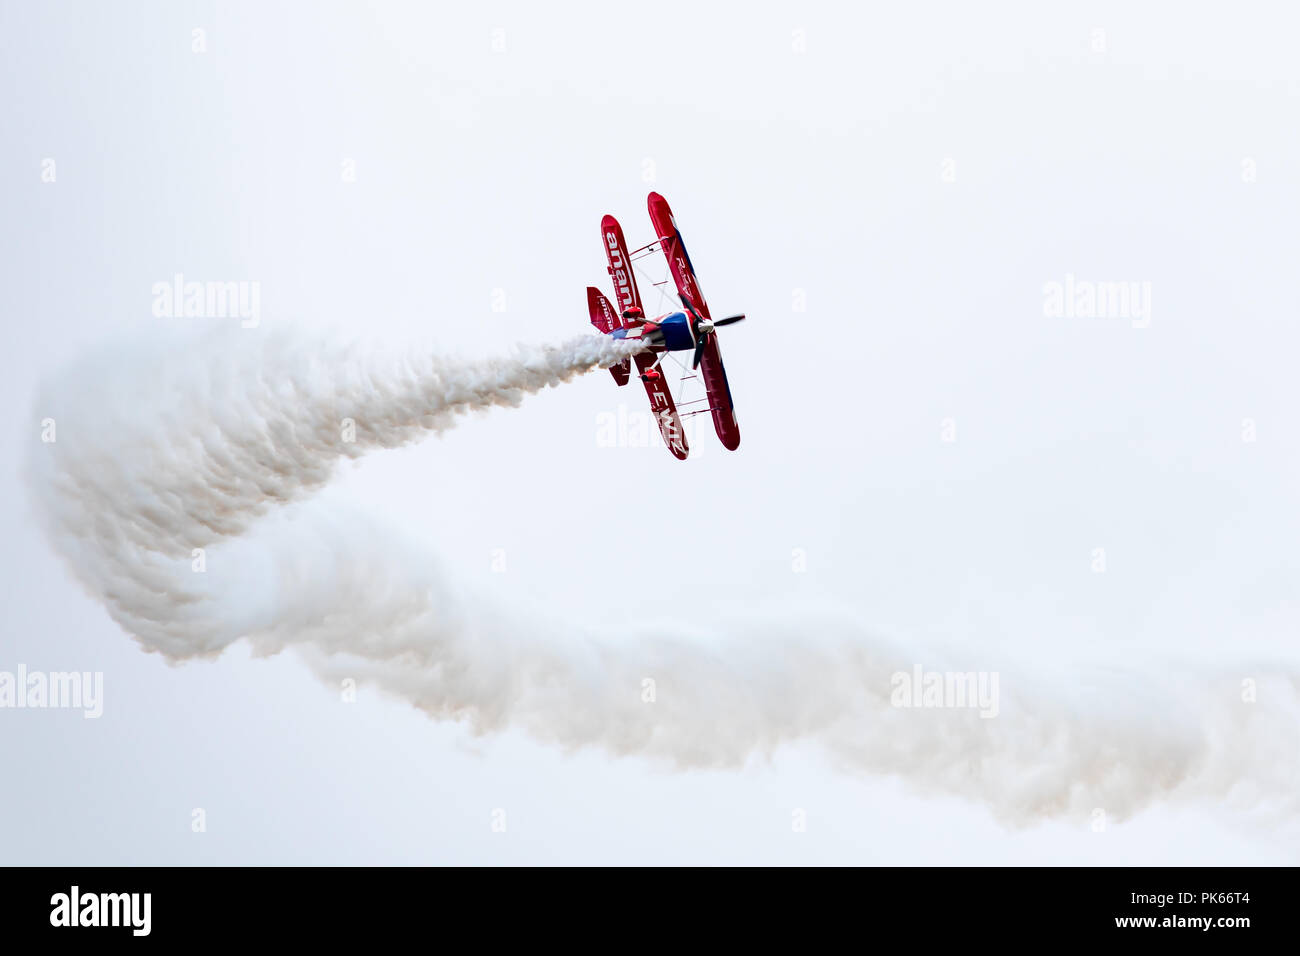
x=662 y=406
x=711 y=367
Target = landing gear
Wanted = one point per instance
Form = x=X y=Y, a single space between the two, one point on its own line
x=653 y=371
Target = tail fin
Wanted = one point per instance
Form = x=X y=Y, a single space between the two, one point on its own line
x=606 y=320
x=603 y=315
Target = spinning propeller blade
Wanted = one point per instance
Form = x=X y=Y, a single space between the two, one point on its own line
x=703 y=328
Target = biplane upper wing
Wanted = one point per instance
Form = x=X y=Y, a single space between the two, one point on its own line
x=662 y=405
x=715 y=374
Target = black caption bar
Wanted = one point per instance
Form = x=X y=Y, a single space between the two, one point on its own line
x=333 y=906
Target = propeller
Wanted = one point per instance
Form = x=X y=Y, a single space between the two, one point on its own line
x=704 y=328
x=699 y=352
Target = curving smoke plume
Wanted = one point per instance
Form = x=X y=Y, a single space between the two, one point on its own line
x=220 y=445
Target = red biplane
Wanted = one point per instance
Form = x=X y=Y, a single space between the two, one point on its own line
x=691 y=330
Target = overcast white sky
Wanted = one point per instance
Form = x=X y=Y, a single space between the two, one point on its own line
x=885 y=189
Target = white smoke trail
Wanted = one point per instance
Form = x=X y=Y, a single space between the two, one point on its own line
x=216 y=448
x=185 y=446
